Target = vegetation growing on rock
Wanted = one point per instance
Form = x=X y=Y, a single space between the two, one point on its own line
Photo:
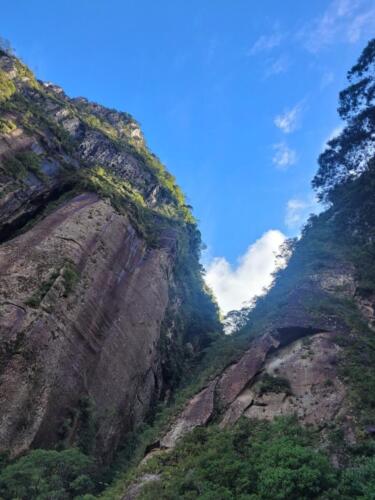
x=328 y=286
x=257 y=460
x=46 y=474
x=66 y=156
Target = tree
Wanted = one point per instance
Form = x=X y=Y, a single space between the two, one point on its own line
x=46 y=474
x=348 y=155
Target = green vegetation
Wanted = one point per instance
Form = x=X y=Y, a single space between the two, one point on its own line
x=268 y=383
x=32 y=117
x=20 y=164
x=7 y=87
x=347 y=155
x=255 y=460
x=87 y=425
x=198 y=313
x=25 y=74
x=47 y=474
x=252 y=460
x=123 y=197
x=167 y=223
x=70 y=278
x=175 y=204
x=80 y=426
x=7 y=126
x=168 y=182
x=104 y=127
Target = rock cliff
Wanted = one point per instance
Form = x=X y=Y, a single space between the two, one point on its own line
x=100 y=274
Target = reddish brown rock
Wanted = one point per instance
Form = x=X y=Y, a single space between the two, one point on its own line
x=98 y=341
x=237 y=376
x=316 y=394
x=198 y=412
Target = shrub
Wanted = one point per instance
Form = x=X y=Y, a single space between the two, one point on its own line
x=358 y=481
x=46 y=474
x=7 y=126
x=70 y=277
x=7 y=87
x=268 y=383
x=37 y=297
x=19 y=165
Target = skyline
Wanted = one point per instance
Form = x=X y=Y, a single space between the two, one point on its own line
x=236 y=102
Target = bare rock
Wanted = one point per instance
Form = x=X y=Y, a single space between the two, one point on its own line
x=98 y=340
x=237 y=376
x=198 y=412
x=135 y=489
x=316 y=393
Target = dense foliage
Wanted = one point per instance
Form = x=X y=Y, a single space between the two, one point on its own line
x=47 y=474
x=348 y=154
x=255 y=460
x=341 y=239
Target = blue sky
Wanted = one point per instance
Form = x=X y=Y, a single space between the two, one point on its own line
x=236 y=97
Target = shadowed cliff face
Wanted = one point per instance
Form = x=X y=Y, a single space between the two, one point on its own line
x=93 y=233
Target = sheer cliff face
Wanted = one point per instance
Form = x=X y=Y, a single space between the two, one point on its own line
x=86 y=284
x=100 y=339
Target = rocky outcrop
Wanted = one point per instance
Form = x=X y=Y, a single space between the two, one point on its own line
x=308 y=365
x=135 y=488
x=292 y=369
x=313 y=391
x=198 y=412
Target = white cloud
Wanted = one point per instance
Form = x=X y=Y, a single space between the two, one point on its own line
x=289 y=120
x=342 y=21
x=284 y=156
x=235 y=286
x=277 y=66
x=298 y=211
x=265 y=43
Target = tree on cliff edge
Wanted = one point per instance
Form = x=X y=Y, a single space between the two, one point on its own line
x=348 y=155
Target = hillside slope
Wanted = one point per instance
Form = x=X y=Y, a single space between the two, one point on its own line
x=285 y=407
